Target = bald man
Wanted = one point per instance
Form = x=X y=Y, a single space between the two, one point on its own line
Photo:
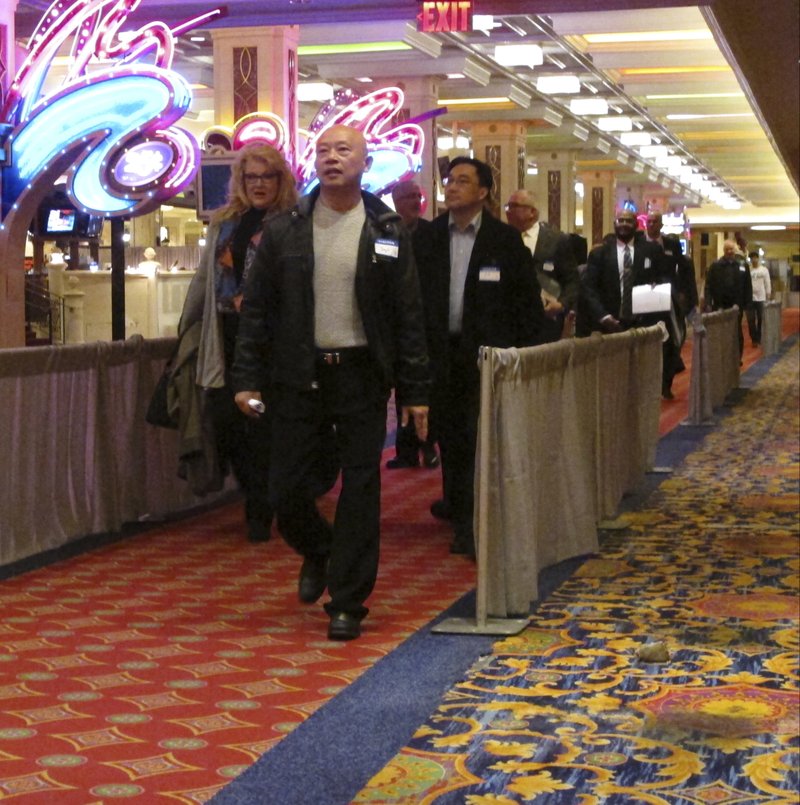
x=553 y=259
x=331 y=320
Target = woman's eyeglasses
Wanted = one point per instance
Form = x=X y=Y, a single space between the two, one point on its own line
x=259 y=178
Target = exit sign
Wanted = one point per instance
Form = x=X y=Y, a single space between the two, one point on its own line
x=445 y=15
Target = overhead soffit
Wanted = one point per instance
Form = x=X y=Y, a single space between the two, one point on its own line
x=742 y=62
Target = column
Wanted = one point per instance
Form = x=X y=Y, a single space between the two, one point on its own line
x=554 y=188
x=421 y=95
x=599 y=203
x=255 y=70
x=502 y=146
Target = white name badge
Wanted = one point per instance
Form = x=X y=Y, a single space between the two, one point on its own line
x=387 y=248
x=489 y=274
x=548 y=266
x=647 y=262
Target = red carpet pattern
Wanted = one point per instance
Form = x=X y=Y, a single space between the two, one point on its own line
x=158 y=668
x=572 y=711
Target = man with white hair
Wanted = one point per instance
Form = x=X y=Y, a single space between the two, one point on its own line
x=728 y=283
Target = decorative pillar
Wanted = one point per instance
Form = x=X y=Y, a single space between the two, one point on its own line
x=255 y=70
x=502 y=146
x=599 y=204
x=554 y=188
x=421 y=95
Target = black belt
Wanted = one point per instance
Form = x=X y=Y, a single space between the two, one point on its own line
x=345 y=355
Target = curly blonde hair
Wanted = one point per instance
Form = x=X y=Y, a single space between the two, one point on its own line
x=238 y=202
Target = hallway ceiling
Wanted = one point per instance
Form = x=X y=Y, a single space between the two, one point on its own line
x=720 y=89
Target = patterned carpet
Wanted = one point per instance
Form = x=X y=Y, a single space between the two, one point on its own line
x=157 y=668
x=570 y=711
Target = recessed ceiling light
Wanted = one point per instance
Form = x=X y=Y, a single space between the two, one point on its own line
x=648 y=36
x=768 y=227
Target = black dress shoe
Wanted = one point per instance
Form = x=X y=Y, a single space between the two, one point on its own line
x=313 y=578
x=430 y=458
x=401 y=463
x=463 y=547
x=440 y=510
x=344 y=626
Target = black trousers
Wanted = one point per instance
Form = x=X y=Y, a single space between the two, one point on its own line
x=755 y=320
x=457 y=418
x=243 y=444
x=351 y=399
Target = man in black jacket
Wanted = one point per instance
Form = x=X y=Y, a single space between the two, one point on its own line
x=553 y=259
x=681 y=269
x=479 y=289
x=331 y=321
x=606 y=290
x=728 y=283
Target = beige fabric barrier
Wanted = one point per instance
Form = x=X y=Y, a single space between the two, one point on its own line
x=77 y=455
x=565 y=430
x=715 y=364
x=771 y=328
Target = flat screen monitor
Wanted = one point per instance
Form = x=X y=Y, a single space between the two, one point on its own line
x=60 y=221
x=211 y=183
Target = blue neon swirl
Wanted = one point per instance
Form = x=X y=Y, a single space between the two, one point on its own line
x=108 y=111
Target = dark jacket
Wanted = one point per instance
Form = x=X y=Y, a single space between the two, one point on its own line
x=600 y=284
x=728 y=283
x=554 y=252
x=276 y=328
x=506 y=312
x=682 y=271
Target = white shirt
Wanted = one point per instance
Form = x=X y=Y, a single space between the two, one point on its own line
x=461 y=243
x=762 y=286
x=530 y=237
x=621 y=259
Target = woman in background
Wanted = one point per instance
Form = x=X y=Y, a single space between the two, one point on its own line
x=261 y=185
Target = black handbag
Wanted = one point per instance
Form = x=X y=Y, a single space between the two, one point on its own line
x=158 y=411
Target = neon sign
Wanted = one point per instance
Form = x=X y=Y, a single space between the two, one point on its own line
x=451 y=15
x=396 y=150
x=110 y=127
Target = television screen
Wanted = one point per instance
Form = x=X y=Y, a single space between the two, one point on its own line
x=91 y=226
x=212 y=184
x=60 y=221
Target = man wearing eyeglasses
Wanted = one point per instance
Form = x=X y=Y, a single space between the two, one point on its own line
x=479 y=289
x=556 y=268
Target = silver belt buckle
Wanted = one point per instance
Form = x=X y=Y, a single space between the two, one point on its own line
x=331 y=358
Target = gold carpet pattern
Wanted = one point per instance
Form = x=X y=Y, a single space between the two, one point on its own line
x=666 y=670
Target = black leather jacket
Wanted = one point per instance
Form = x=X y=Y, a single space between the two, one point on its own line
x=276 y=330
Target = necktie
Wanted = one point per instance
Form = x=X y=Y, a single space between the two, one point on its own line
x=627 y=274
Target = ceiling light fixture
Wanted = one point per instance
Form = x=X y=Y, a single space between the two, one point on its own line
x=635 y=138
x=705 y=117
x=518 y=55
x=314 y=91
x=768 y=227
x=615 y=123
x=693 y=34
x=352 y=47
x=588 y=106
x=558 y=84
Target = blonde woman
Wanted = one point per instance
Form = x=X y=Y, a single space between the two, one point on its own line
x=261 y=185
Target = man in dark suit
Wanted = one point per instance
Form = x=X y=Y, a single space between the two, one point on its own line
x=407 y=199
x=553 y=259
x=613 y=269
x=479 y=289
x=684 y=283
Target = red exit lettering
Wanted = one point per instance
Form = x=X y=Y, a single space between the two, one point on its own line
x=449 y=15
